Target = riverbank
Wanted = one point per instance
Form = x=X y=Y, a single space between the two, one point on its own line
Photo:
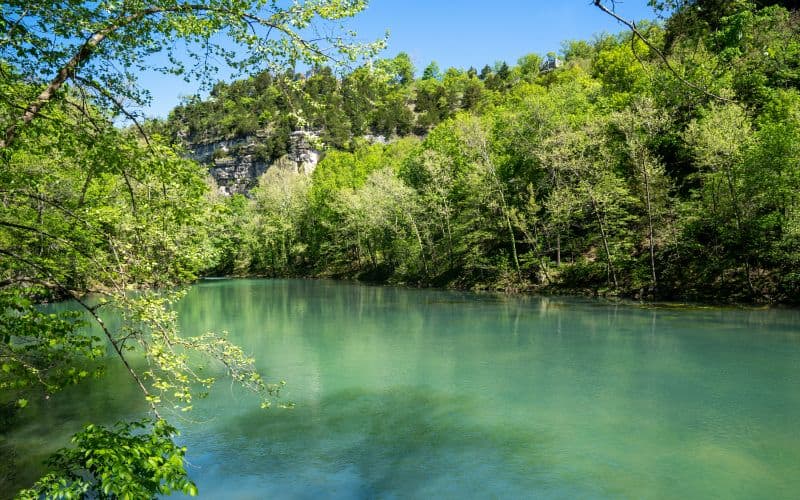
x=641 y=296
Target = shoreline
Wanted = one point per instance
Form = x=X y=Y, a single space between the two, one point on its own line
x=620 y=298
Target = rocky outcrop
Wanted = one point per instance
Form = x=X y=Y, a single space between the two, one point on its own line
x=302 y=152
x=236 y=174
x=236 y=167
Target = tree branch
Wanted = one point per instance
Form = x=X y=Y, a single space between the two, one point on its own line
x=66 y=71
x=89 y=47
x=632 y=26
x=93 y=312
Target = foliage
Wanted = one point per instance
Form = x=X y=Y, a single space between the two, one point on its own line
x=116 y=220
x=380 y=98
x=48 y=352
x=131 y=461
x=100 y=45
x=609 y=173
x=620 y=172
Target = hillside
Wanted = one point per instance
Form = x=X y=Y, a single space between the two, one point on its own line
x=613 y=171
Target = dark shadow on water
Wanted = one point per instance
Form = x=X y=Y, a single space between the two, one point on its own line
x=404 y=441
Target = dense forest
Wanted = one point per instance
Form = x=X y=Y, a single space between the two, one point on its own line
x=658 y=163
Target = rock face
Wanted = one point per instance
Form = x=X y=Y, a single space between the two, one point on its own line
x=237 y=174
x=235 y=167
x=301 y=151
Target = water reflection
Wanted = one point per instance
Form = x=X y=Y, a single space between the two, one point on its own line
x=420 y=393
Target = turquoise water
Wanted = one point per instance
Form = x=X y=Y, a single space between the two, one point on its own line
x=433 y=394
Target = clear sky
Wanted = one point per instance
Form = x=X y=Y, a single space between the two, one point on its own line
x=459 y=33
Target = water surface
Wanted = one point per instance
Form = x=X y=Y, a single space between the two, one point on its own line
x=417 y=394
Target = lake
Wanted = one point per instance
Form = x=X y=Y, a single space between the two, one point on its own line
x=404 y=393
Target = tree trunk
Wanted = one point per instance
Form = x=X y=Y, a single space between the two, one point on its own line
x=610 y=265
x=558 y=247
x=646 y=180
x=421 y=246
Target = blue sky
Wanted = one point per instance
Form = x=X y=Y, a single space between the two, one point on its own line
x=456 y=33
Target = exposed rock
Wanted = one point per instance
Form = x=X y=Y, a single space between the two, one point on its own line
x=302 y=152
x=237 y=175
x=376 y=139
x=234 y=167
x=204 y=152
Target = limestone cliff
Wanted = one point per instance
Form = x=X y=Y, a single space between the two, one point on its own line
x=236 y=165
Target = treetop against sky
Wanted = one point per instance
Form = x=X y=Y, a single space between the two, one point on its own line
x=455 y=34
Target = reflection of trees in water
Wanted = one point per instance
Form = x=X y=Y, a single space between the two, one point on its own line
x=49 y=423
x=8 y=465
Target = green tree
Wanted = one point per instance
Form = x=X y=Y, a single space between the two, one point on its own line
x=430 y=104
x=640 y=125
x=477 y=140
x=97 y=45
x=528 y=66
x=280 y=201
x=574 y=50
x=719 y=140
x=400 y=69
x=432 y=72
x=90 y=208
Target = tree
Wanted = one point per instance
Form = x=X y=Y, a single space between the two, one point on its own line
x=640 y=124
x=574 y=50
x=430 y=104
x=279 y=202
x=528 y=66
x=135 y=218
x=379 y=219
x=639 y=35
x=97 y=46
x=432 y=72
x=400 y=69
x=719 y=141
x=362 y=91
x=91 y=208
x=499 y=78
x=476 y=140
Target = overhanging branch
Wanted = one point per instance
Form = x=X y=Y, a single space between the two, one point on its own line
x=88 y=48
x=632 y=26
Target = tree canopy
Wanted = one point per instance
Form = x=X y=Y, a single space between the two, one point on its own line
x=639 y=167
x=114 y=219
x=101 y=46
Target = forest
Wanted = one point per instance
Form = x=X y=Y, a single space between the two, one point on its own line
x=660 y=163
x=661 y=166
